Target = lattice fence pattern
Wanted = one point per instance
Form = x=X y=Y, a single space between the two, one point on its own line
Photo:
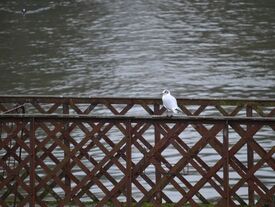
x=94 y=160
x=80 y=154
x=137 y=106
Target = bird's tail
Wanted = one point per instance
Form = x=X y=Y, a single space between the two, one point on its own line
x=177 y=110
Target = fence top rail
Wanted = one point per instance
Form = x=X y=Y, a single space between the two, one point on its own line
x=125 y=118
x=131 y=100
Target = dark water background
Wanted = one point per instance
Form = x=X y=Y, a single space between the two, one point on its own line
x=136 y=48
x=198 y=49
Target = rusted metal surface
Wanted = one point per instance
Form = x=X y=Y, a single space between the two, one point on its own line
x=76 y=151
x=137 y=106
x=41 y=171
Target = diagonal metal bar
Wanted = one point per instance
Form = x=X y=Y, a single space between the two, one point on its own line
x=180 y=164
x=143 y=163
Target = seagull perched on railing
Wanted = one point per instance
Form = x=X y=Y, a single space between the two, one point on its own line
x=170 y=102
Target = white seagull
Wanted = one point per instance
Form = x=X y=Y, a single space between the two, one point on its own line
x=170 y=102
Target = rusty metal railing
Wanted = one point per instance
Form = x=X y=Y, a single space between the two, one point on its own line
x=138 y=106
x=10 y=161
x=96 y=144
x=75 y=151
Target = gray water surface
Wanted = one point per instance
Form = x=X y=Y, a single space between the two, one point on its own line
x=137 y=48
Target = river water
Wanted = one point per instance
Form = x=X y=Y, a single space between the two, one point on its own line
x=136 y=48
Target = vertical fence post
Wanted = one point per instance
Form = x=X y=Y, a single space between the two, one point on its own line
x=32 y=162
x=250 y=160
x=129 y=163
x=157 y=140
x=67 y=144
x=226 y=164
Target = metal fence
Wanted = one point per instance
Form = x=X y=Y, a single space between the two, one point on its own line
x=75 y=151
x=137 y=106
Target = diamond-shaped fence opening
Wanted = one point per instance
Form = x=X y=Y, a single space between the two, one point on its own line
x=138 y=110
x=49 y=108
x=238 y=194
x=143 y=183
x=171 y=193
x=97 y=192
x=234 y=177
x=205 y=126
x=193 y=178
x=112 y=137
x=176 y=188
x=89 y=126
x=83 y=108
x=43 y=130
x=219 y=177
x=137 y=193
x=241 y=155
x=59 y=191
x=193 y=110
x=96 y=154
x=137 y=155
x=150 y=171
x=142 y=142
x=211 y=111
x=239 y=111
x=190 y=136
x=231 y=110
x=79 y=171
x=242 y=197
x=265 y=137
x=209 y=155
x=171 y=156
x=121 y=109
x=207 y=194
x=265 y=174
x=180 y=179
x=77 y=132
x=236 y=133
x=116 y=173
x=148 y=137
x=263 y=111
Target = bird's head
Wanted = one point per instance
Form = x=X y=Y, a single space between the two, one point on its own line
x=165 y=92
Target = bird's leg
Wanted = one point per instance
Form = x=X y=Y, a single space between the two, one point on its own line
x=169 y=113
